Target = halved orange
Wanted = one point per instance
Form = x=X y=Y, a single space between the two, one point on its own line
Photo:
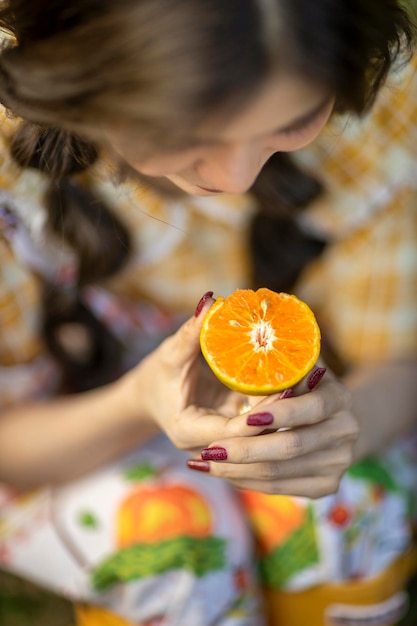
x=260 y=342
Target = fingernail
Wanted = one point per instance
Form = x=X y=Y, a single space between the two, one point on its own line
x=214 y=454
x=260 y=419
x=198 y=466
x=316 y=377
x=288 y=393
x=202 y=302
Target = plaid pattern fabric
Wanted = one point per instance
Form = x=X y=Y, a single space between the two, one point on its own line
x=25 y=370
x=19 y=310
x=364 y=287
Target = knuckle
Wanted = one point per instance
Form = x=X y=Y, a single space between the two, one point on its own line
x=234 y=427
x=271 y=489
x=343 y=395
x=319 y=405
x=348 y=426
x=244 y=453
x=333 y=398
x=327 y=487
x=354 y=430
x=289 y=414
x=346 y=458
x=318 y=408
x=334 y=482
x=268 y=471
x=293 y=444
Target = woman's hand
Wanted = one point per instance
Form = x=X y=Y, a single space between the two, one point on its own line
x=174 y=388
x=300 y=445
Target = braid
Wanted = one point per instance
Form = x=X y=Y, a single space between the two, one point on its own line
x=100 y=241
x=279 y=248
x=58 y=153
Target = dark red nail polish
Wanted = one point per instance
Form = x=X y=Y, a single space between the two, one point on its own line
x=198 y=466
x=214 y=454
x=202 y=302
x=260 y=419
x=316 y=377
x=288 y=393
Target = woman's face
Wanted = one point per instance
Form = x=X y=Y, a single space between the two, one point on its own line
x=286 y=115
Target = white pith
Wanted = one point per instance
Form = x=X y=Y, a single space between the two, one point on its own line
x=262 y=336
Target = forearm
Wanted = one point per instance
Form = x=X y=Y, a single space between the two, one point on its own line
x=60 y=439
x=384 y=403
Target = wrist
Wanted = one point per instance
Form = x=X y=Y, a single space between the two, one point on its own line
x=129 y=400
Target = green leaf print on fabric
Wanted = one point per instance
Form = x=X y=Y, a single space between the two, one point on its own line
x=88 y=520
x=142 y=560
x=294 y=555
x=373 y=471
x=139 y=472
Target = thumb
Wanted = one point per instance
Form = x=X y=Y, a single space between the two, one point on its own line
x=184 y=346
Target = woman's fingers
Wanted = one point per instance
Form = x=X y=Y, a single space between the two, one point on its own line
x=330 y=398
x=306 y=487
x=285 y=445
x=311 y=448
x=305 y=410
x=312 y=475
x=303 y=423
x=317 y=477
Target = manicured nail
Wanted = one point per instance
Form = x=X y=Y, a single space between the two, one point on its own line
x=214 y=454
x=198 y=466
x=316 y=377
x=260 y=419
x=202 y=302
x=288 y=393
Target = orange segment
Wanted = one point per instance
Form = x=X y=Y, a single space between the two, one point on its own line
x=260 y=342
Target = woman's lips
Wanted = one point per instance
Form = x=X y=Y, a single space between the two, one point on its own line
x=210 y=190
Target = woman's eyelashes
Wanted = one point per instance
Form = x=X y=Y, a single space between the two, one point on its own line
x=291 y=132
x=299 y=129
x=303 y=125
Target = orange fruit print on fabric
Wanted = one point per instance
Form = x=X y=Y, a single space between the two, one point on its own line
x=260 y=342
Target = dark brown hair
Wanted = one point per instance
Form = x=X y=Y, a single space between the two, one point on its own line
x=159 y=67
x=101 y=242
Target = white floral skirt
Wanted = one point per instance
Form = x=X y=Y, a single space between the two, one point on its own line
x=144 y=537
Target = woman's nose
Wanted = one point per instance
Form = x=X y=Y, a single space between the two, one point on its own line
x=232 y=168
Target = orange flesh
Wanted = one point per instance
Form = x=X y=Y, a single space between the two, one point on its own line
x=260 y=342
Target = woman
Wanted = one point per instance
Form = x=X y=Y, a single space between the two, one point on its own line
x=197 y=96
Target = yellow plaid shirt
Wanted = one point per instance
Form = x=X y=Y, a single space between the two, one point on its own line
x=364 y=287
